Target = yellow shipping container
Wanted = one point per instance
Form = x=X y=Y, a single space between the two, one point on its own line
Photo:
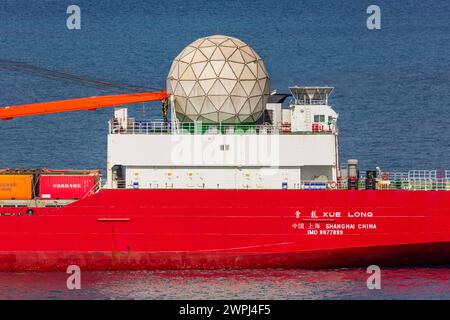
x=15 y=187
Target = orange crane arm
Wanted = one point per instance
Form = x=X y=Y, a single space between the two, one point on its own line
x=90 y=103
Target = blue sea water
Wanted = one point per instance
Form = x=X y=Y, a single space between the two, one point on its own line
x=396 y=283
x=392 y=95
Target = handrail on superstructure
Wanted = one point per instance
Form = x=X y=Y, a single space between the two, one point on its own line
x=342 y=184
x=161 y=127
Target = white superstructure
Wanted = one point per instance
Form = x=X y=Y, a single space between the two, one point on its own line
x=289 y=148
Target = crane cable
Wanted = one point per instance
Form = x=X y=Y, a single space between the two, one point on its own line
x=25 y=68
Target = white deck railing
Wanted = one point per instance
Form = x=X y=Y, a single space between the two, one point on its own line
x=160 y=127
x=342 y=184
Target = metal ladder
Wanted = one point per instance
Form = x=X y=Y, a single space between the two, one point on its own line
x=308 y=118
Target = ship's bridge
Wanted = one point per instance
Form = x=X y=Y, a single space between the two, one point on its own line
x=311 y=95
x=310 y=110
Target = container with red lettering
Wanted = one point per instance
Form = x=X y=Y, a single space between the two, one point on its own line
x=66 y=186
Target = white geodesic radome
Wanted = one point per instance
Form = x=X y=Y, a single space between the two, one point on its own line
x=218 y=79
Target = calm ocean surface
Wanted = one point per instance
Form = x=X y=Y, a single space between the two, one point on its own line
x=405 y=283
x=392 y=94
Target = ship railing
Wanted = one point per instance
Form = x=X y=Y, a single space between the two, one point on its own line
x=133 y=184
x=141 y=127
x=400 y=182
x=304 y=185
x=161 y=127
x=414 y=185
x=340 y=184
x=308 y=102
x=95 y=188
x=410 y=180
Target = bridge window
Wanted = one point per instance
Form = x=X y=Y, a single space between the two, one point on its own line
x=330 y=120
x=319 y=118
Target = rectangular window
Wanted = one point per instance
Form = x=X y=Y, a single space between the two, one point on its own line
x=319 y=118
x=330 y=120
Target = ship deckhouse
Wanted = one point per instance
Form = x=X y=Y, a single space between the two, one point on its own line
x=292 y=148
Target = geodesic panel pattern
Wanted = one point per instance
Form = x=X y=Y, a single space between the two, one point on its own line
x=218 y=79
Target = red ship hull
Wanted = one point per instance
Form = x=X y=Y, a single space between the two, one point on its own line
x=209 y=229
